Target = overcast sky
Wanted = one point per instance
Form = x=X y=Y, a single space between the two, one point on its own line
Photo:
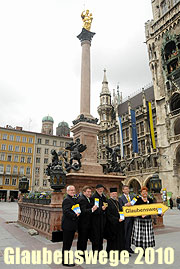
x=40 y=56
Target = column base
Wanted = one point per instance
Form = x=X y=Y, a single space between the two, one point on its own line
x=87 y=133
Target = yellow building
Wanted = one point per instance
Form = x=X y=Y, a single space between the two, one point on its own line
x=16 y=159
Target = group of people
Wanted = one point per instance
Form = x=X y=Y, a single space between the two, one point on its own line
x=99 y=218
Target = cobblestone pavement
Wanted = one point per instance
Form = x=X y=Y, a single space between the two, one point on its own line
x=15 y=236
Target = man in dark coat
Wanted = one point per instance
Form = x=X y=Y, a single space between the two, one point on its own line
x=84 y=224
x=115 y=224
x=69 y=220
x=171 y=203
x=125 y=200
x=98 y=218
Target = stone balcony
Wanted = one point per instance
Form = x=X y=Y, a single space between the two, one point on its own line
x=175 y=113
x=142 y=171
x=175 y=138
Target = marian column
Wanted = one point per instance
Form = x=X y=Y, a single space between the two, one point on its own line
x=85 y=126
x=85 y=37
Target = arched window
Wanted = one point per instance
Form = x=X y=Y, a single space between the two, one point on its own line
x=134 y=186
x=150 y=52
x=1 y=168
x=28 y=171
x=8 y=169
x=175 y=102
x=22 y=170
x=177 y=127
x=178 y=156
x=15 y=169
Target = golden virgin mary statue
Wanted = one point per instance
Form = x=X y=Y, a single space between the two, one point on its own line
x=87 y=19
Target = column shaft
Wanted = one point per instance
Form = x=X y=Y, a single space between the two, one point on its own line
x=85 y=78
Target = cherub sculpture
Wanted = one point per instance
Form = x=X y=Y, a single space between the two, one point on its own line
x=76 y=149
x=114 y=165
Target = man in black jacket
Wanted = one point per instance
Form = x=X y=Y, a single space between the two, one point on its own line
x=98 y=218
x=125 y=200
x=84 y=224
x=69 y=220
x=115 y=224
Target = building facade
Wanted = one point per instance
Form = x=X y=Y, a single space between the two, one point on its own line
x=17 y=149
x=43 y=146
x=163 y=44
x=24 y=153
x=141 y=166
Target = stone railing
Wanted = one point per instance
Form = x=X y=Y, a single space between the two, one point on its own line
x=142 y=170
x=42 y=201
x=175 y=138
x=43 y=218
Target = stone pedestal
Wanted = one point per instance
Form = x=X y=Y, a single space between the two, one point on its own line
x=87 y=133
x=158 y=221
x=20 y=197
x=79 y=180
x=57 y=198
x=56 y=215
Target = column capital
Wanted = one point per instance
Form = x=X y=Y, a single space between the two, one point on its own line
x=85 y=35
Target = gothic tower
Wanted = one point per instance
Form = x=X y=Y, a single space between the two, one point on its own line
x=105 y=108
x=163 y=44
x=107 y=114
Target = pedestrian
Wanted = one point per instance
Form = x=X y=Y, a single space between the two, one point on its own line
x=84 y=223
x=125 y=200
x=69 y=221
x=143 y=233
x=178 y=202
x=114 y=224
x=98 y=218
x=171 y=203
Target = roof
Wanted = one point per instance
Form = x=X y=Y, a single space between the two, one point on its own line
x=48 y=118
x=63 y=124
x=136 y=101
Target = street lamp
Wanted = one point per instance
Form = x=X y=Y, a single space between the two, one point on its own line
x=23 y=184
x=155 y=183
x=57 y=178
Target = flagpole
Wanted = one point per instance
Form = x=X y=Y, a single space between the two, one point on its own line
x=121 y=137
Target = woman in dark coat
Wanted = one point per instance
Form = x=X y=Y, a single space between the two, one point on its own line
x=143 y=233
